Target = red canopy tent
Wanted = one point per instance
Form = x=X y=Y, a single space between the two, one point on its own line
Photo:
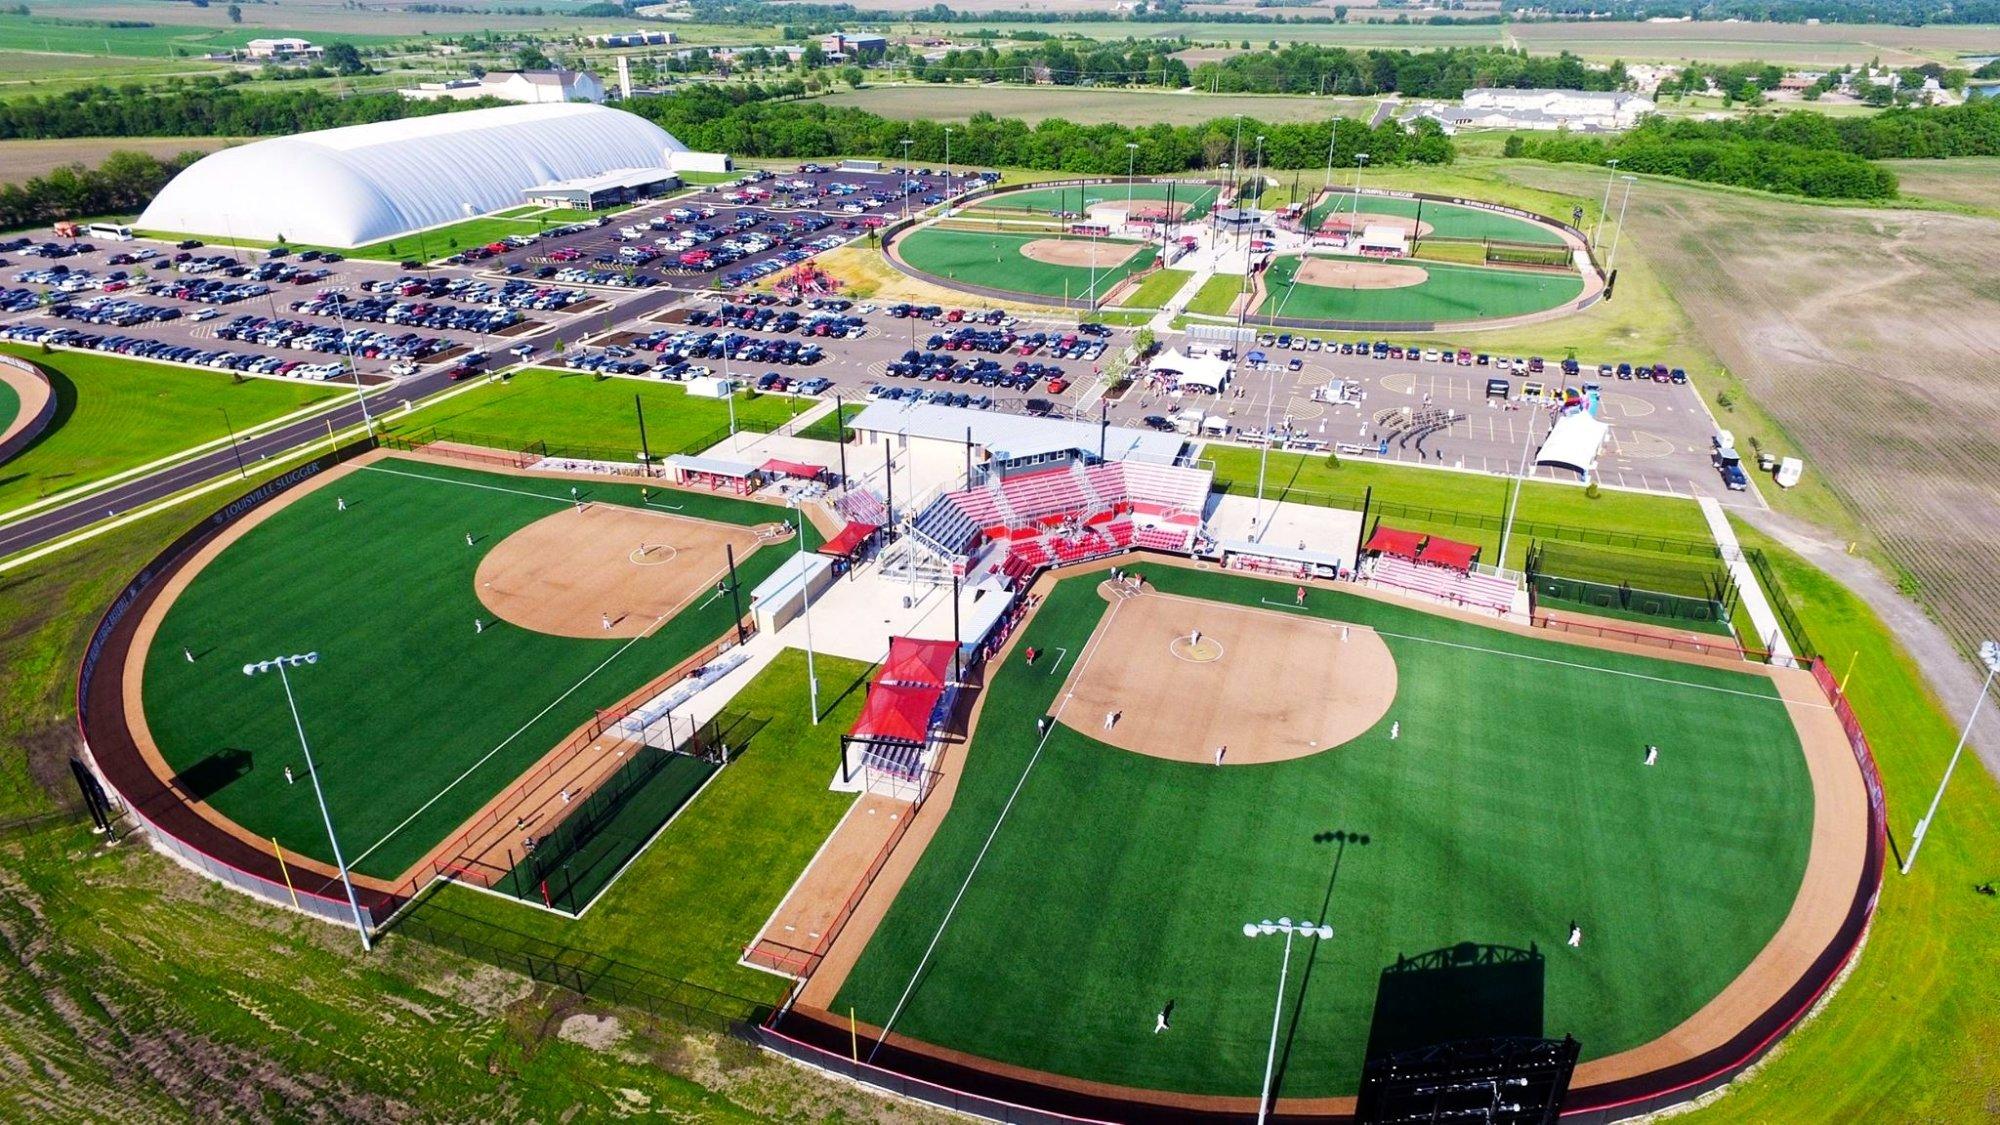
x=912 y=661
x=897 y=713
x=793 y=469
x=1390 y=541
x=1451 y=553
x=849 y=540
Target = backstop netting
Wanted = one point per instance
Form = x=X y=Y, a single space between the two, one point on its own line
x=1672 y=588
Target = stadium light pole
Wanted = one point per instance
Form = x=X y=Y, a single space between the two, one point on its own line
x=1360 y=161
x=312 y=771
x=347 y=344
x=1618 y=235
x=805 y=587
x=1131 y=160
x=906 y=171
x=1597 y=231
x=1332 y=136
x=1319 y=931
x=1520 y=480
x=947 y=171
x=1989 y=655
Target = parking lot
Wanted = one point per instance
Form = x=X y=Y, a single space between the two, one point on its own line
x=732 y=234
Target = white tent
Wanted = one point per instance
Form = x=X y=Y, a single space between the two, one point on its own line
x=1385 y=238
x=1194 y=372
x=1573 y=443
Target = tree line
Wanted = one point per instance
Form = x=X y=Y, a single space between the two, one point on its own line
x=1306 y=68
x=1060 y=63
x=1910 y=13
x=748 y=122
x=122 y=185
x=203 y=107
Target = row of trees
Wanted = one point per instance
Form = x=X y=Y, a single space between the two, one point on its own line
x=1306 y=68
x=1928 y=132
x=746 y=121
x=202 y=107
x=1908 y=12
x=1064 y=64
x=123 y=184
x=1765 y=165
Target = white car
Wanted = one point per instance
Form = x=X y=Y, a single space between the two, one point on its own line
x=206 y=314
x=403 y=368
x=521 y=351
x=1431 y=355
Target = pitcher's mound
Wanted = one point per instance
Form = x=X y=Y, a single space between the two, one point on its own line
x=1101 y=254
x=1331 y=274
x=1266 y=684
x=571 y=572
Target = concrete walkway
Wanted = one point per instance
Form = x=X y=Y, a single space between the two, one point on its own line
x=1769 y=634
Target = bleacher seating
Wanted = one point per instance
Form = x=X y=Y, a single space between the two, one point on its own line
x=895 y=759
x=947 y=524
x=1479 y=591
x=863 y=505
x=1163 y=538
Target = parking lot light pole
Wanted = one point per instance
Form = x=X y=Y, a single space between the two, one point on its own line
x=1618 y=235
x=1989 y=655
x=1597 y=229
x=312 y=772
x=1319 y=931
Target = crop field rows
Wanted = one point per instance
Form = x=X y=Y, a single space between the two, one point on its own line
x=1814 y=309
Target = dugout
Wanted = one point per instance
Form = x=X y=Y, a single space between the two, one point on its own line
x=777 y=600
x=716 y=474
x=1669 y=588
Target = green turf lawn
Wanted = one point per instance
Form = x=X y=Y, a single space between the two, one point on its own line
x=1446 y=220
x=1158 y=289
x=1216 y=295
x=716 y=873
x=1469 y=507
x=114 y=413
x=1119 y=881
x=406 y=697
x=572 y=408
x=1081 y=198
x=10 y=405
x=1452 y=292
x=993 y=259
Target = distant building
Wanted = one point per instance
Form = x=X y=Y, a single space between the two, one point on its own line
x=635 y=39
x=589 y=193
x=526 y=86
x=843 y=47
x=1585 y=111
x=281 y=49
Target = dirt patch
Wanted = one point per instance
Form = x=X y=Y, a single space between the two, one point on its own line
x=1099 y=254
x=1331 y=274
x=1341 y=222
x=1187 y=677
x=603 y=570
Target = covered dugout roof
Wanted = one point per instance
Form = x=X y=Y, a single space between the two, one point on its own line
x=365 y=183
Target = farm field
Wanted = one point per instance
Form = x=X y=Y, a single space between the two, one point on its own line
x=1717 y=863
x=950 y=102
x=1817 y=310
x=114 y=414
x=160 y=40
x=722 y=866
x=33 y=73
x=23 y=160
x=576 y=408
x=1967 y=181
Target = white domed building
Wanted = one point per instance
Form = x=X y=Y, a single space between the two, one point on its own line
x=363 y=183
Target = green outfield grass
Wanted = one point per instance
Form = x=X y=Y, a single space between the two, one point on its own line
x=576 y=408
x=1078 y=199
x=1469 y=507
x=415 y=719
x=1158 y=289
x=724 y=864
x=1446 y=220
x=114 y=413
x=1451 y=293
x=10 y=405
x=993 y=259
x=1514 y=802
x=1216 y=295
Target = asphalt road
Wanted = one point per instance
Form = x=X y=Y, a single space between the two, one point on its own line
x=53 y=523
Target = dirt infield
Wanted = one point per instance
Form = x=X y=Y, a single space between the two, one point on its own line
x=1098 y=254
x=1258 y=682
x=1359 y=275
x=568 y=573
x=1146 y=210
x=1343 y=221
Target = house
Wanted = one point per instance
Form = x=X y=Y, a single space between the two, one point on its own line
x=635 y=39
x=527 y=86
x=280 y=49
x=844 y=47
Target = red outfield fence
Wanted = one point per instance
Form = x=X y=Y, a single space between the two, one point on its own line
x=827 y=1042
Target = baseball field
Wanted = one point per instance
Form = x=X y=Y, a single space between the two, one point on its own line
x=1443 y=220
x=1415 y=781
x=1349 y=290
x=465 y=622
x=1034 y=265
x=1191 y=201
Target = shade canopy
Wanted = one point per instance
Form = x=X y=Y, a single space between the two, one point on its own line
x=849 y=540
x=794 y=469
x=897 y=713
x=1439 y=551
x=912 y=661
x=1391 y=541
